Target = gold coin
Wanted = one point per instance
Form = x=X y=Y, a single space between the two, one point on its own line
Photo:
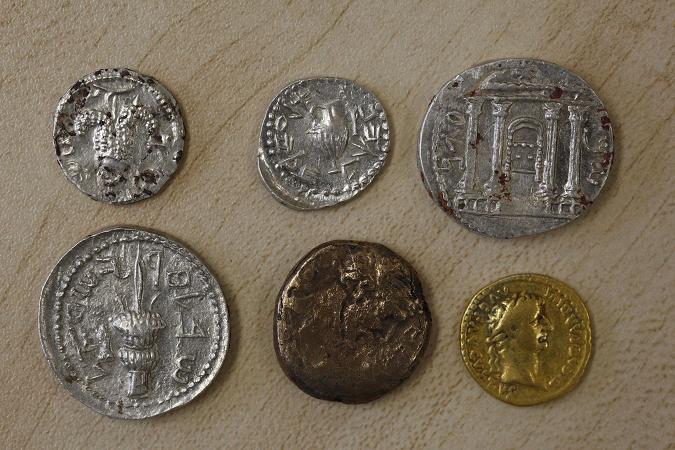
x=526 y=338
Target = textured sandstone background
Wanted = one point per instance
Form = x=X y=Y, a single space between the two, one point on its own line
x=224 y=61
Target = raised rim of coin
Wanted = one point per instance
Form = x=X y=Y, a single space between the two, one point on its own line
x=416 y=289
x=603 y=154
x=579 y=307
x=312 y=200
x=174 y=399
x=152 y=182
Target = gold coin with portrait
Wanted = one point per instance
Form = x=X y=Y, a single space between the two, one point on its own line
x=526 y=338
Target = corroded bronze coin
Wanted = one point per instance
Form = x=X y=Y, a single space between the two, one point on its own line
x=526 y=339
x=351 y=322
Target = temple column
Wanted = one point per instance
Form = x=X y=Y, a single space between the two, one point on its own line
x=499 y=112
x=576 y=119
x=551 y=112
x=473 y=109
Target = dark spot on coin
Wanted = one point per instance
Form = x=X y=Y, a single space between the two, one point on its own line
x=69 y=378
x=479 y=137
x=604 y=120
x=443 y=202
x=149 y=176
x=585 y=202
x=607 y=159
x=351 y=322
x=179 y=155
x=556 y=93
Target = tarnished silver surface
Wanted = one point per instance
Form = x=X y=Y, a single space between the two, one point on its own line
x=515 y=147
x=323 y=140
x=351 y=322
x=132 y=323
x=118 y=135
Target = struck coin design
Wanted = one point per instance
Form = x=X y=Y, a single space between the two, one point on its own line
x=323 y=140
x=526 y=339
x=132 y=323
x=515 y=147
x=118 y=135
x=351 y=322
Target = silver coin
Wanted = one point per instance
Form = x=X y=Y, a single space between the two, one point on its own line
x=132 y=323
x=323 y=140
x=515 y=147
x=118 y=135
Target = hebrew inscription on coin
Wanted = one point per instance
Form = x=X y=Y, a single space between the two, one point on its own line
x=132 y=323
x=526 y=339
x=515 y=147
x=323 y=140
x=351 y=322
x=118 y=135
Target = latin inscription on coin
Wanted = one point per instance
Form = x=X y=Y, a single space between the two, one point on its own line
x=351 y=322
x=526 y=338
x=323 y=140
x=118 y=135
x=132 y=323
x=515 y=147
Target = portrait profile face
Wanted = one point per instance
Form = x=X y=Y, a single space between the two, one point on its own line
x=518 y=332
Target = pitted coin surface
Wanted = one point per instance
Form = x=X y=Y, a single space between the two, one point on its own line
x=526 y=339
x=118 y=135
x=351 y=322
x=515 y=147
x=323 y=140
x=132 y=323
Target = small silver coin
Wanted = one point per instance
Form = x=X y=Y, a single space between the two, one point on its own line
x=118 y=135
x=132 y=323
x=323 y=140
x=515 y=147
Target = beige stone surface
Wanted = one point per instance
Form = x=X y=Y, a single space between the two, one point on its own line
x=224 y=61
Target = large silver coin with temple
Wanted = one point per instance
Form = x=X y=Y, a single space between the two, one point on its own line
x=118 y=135
x=323 y=140
x=515 y=147
x=132 y=323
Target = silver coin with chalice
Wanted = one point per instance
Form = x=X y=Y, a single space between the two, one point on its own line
x=132 y=323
